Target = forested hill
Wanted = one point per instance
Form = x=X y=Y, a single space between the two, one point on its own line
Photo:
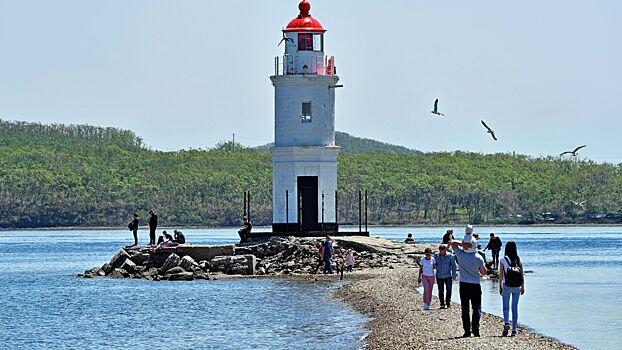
x=55 y=175
x=353 y=144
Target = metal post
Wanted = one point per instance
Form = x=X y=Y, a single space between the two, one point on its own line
x=336 y=211
x=248 y=203
x=244 y=207
x=322 y=212
x=360 y=214
x=286 y=211
x=366 y=211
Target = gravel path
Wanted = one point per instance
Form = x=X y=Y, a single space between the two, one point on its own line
x=399 y=322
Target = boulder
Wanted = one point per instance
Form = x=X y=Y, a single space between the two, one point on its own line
x=182 y=276
x=119 y=258
x=129 y=266
x=106 y=268
x=141 y=258
x=150 y=273
x=175 y=270
x=169 y=263
x=201 y=276
x=119 y=273
x=187 y=263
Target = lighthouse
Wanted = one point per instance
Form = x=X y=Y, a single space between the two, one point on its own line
x=304 y=156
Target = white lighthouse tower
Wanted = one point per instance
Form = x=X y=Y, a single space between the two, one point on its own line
x=304 y=156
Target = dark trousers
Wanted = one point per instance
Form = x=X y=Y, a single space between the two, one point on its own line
x=444 y=284
x=152 y=234
x=471 y=293
x=495 y=258
x=135 y=233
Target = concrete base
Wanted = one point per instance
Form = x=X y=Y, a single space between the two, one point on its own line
x=265 y=235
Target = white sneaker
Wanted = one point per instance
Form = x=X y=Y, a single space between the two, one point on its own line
x=426 y=306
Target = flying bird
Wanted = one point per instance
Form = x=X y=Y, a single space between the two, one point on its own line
x=435 y=111
x=574 y=152
x=285 y=39
x=492 y=133
x=581 y=204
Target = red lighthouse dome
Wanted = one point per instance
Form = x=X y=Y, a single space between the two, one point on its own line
x=304 y=22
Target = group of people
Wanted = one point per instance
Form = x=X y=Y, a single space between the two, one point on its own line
x=326 y=252
x=165 y=240
x=441 y=268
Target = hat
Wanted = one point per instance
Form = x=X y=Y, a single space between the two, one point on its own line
x=468 y=230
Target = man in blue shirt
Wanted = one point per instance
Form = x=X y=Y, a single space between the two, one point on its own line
x=445 y=265
x=471 y=266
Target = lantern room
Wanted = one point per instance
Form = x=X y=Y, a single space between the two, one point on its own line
x=304 y=46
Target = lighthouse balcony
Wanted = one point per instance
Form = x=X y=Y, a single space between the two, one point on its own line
x=311 y=64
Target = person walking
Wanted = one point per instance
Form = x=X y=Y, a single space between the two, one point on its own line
x=511 y=285
x=426 y=274
x=328 y=255
x=133 y=226
x=494 y=244
x=153 y=225
x=471 y=266
x=445 y=265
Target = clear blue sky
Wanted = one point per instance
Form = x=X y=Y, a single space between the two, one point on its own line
x=546 y=75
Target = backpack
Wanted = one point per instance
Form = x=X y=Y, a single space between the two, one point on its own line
x=514 y=274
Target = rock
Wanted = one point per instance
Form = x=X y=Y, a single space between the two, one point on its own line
x=169 y=263
x=119 y=273
x=119 y=258
x=106 y=268
x=129 y=266
x=175 y=270
x=201 y=276
x=182 y=276
x=187 y=263
x=141 y=258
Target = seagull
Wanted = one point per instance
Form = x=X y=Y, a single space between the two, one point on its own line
x=492 y=133
x=581 y=204
x=574 y=153
x=435 y=111
x=285 y=39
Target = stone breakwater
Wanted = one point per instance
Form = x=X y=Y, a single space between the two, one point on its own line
x=274 y=257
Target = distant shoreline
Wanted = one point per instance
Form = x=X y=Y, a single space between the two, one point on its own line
x=145 y=228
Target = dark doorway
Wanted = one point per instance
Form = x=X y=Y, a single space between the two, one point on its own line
x=308 y=203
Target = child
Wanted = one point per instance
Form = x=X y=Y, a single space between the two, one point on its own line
x=468 y=238
x=349 y=260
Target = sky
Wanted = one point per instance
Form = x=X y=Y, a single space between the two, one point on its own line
x=545 y=75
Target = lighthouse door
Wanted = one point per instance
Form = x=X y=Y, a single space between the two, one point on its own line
x=308 y=203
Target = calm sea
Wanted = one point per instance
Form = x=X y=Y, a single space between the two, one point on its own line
x=47 y=307
x=572 y=295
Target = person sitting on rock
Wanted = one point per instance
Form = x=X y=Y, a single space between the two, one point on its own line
x=179 y=237
x=409 y=239
x=168 y=241
x=246 y=229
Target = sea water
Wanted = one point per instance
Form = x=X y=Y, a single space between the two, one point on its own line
x=572 y=294
x=45 y=306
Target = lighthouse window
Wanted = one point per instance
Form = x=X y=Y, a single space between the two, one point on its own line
x=310 y=42
x=306 y=112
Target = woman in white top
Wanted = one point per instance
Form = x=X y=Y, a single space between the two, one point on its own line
x=426 y=270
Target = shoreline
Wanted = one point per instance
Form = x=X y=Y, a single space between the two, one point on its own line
x=397 y=320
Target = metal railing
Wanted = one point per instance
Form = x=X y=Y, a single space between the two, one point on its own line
x=291 y=65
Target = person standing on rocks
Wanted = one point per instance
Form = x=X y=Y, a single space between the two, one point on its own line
x=494 y=244
x=153 y=225
x=327 y=251
x=511 y=285
x=445 y=265
x=471 y=266
x=426 y=274
x=133 y=226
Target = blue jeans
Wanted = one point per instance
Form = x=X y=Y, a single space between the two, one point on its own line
x=515 y=293
x=444 y=283
x=328 y=264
